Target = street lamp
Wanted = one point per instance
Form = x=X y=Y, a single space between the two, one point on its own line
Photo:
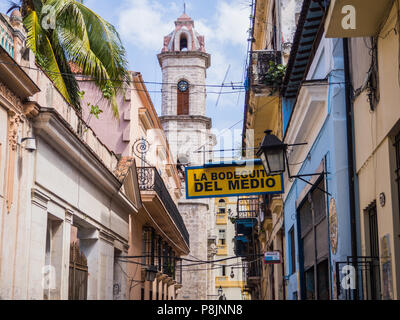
x=151 y=273
x=220 y=291
x=272 y=153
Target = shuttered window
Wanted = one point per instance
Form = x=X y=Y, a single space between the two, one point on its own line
x=183 y=102
x=315 y=244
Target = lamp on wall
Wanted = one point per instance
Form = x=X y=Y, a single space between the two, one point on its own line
x=151 y=273
x=30 y=143
x=273 y=155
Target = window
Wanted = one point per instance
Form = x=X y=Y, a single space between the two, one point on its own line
x=373 y=247
x=292 y=251
x=221 y=206
x=148 y=247
x=315 y=245
x=183 y=98
x=222 y=236
x=183 y=44
x=223 y=271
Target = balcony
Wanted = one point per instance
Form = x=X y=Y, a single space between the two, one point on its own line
x=224 y=282
x=241 y=246
x=248 y=208
x=368 y=16
x=222 y=250
x=252 y=272
x=156 y=197
x=368 y=279
x=260 y=65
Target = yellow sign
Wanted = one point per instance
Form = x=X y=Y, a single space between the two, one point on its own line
x=220 y=180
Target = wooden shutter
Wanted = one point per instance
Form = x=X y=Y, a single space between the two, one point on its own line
x=183 y=102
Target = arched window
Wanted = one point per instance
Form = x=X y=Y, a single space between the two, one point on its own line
x=221 y=206
x=183 y=43
x=183 y=98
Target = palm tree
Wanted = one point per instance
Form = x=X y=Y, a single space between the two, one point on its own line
x=78 y=37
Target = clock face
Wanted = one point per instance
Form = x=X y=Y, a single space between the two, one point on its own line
x=183 y=86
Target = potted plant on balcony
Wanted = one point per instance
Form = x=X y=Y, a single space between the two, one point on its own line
x=273 y=77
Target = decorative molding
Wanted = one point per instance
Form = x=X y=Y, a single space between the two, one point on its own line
x=107 y=237
x=39 y=198
x=12 y=99
x=31 y=109
x=69 y=216
x=13 y=126
x=14 y=120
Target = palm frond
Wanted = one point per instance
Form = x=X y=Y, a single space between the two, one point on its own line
x=82 y=37
x=38 y=41
x=13 y=5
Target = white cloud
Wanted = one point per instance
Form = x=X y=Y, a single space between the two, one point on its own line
x=232 y=22
x=145 y=23
x=226 y=36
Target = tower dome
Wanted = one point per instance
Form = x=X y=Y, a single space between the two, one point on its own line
x=184 y=37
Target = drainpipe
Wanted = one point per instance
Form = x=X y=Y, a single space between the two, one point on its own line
x=350 y=152
x=282 y=232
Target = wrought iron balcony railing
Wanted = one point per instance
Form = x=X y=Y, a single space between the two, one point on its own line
x=260 y=64
x=252 y=271
x=364 y=273
x=248 y=208
x=150 y=180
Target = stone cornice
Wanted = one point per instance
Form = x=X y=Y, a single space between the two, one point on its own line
x=13 y=76
x=52 y=128
x=39 y=198
x=107 y=237
x=190 y=118
x=185 y=54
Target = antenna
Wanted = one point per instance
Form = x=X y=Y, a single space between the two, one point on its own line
x=223 y=84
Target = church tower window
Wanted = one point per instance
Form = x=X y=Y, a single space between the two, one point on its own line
x=183 y=44
x=183 y=98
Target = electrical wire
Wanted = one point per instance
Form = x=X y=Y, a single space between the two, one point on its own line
x=234 y=87
x=91 y=78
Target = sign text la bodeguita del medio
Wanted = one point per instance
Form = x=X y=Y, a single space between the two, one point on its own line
x=217 y=180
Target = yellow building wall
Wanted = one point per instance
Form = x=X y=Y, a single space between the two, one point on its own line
x=374 y=131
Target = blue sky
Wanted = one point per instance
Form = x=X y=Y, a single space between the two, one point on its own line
x=142 y=25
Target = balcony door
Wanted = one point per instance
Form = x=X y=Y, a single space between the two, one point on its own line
x=372 y=287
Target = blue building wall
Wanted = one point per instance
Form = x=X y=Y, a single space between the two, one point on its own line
x=331 y=144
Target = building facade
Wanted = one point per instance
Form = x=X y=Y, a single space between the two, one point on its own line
x=273 y=29
x=64 y=220
x=158 y=236
x=373 y=61
x=184 y=63
x=225 y=275
x=318 y=200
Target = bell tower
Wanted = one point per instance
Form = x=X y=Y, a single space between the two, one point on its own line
x=184 y=63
